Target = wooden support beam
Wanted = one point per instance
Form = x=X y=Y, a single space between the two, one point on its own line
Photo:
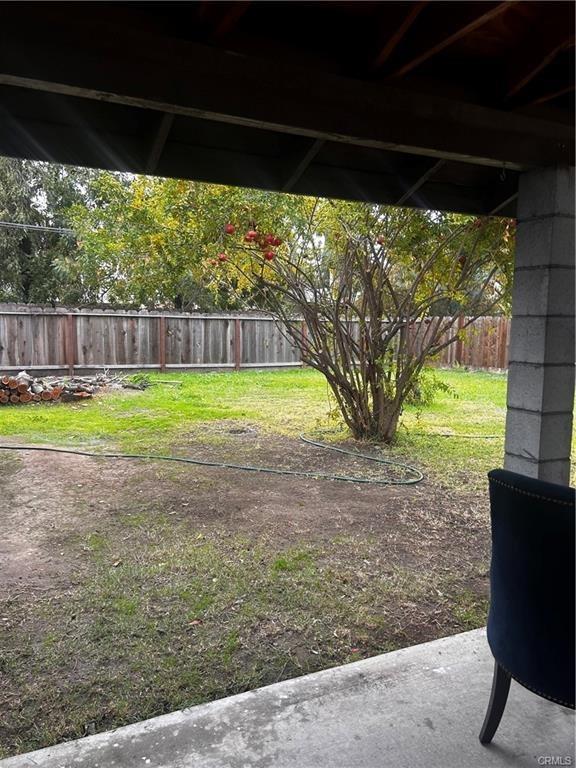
x=375 y=178
x=551 y=95
x=541 y=52
x=504 y=204
x=397 y=36
x=421 y=181
x=303 y=164
x=187 y=79
x=164 y=128
x=477 y=14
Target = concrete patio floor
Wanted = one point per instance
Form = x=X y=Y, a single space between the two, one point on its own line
x=420 y=707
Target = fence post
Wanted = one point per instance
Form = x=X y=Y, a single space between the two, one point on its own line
x=162 y=342
x=70 y=342
x=502 y=341
x=237 y=344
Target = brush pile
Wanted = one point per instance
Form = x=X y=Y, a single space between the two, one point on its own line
x=24 y=388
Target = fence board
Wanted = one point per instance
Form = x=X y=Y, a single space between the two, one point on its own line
x=41 y=339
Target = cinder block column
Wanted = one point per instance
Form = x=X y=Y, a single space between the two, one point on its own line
x=541 y=356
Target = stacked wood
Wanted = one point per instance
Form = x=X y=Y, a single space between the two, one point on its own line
x=24 y=388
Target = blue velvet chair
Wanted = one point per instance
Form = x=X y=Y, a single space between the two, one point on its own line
x=531 y=618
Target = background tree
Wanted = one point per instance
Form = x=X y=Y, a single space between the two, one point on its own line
x=32 y=260
x=373 y=284
x=155 y=242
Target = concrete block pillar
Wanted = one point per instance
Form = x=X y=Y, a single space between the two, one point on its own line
x=541 y=355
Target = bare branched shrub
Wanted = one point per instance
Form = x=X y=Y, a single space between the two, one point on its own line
x=381 y=292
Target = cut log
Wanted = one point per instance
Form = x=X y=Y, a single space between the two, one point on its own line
x=14 y=399
x=22 y=387
x=25 y=397
x=46 y=394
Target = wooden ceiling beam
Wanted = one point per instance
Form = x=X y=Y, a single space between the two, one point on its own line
x=551 y=95
x=303 y=164
x=474 y=19
x=159 y=142
x=476 y=191
x=397 y=36
x=181 y=78
x=542 y=51
x=420 y=182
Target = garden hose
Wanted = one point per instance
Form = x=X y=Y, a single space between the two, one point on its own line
x=417 y=476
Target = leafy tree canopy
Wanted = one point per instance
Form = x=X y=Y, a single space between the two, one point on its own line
x=33 y=260
x=156 y=242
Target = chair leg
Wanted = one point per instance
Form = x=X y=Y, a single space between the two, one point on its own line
x=498 y=697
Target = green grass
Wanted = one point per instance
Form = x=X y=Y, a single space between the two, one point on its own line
x=165 y=613
x=285 y=402
x=192 y=621
x=473 y=416
x=278 y=402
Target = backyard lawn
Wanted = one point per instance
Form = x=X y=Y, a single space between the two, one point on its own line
x=133 y=588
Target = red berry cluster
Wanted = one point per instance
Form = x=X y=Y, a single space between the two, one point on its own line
x=262 y=241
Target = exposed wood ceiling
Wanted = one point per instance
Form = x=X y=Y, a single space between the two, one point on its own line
x=435 y=104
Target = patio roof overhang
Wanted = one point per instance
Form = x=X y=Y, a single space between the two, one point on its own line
x=435 y=105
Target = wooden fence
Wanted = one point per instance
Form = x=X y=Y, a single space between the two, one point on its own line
x=57 y=340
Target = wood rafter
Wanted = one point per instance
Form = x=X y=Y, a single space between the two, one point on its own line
x=504 y=204
x=207 y=83
x=160 y=139
x=541 y=53
x=551 y=95
x=397 y=36
x=303 y=164
x=420 y=182
x=474 y=22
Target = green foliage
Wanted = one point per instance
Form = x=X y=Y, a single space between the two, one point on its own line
x=36 y=263
x=427 y=387
x=382 y=291
x=143 y=241
x=156 y=242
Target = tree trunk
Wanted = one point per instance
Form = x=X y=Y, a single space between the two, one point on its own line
x=381 y=425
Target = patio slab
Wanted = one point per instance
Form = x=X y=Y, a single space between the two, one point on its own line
x=420 y=707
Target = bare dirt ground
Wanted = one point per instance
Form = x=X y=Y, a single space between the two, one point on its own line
x=47 y=498
x=66 y=520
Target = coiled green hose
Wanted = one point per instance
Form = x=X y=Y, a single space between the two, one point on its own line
x=417 y=475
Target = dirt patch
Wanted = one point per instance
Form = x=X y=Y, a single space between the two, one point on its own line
x=131 y=588
x=48 y=499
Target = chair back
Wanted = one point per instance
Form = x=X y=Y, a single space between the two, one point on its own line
x=532 y=614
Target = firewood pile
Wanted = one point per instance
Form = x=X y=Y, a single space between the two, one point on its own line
x=24 y=388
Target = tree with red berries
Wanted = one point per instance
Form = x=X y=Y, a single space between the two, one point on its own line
x=156 y=243
x=370 y=294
